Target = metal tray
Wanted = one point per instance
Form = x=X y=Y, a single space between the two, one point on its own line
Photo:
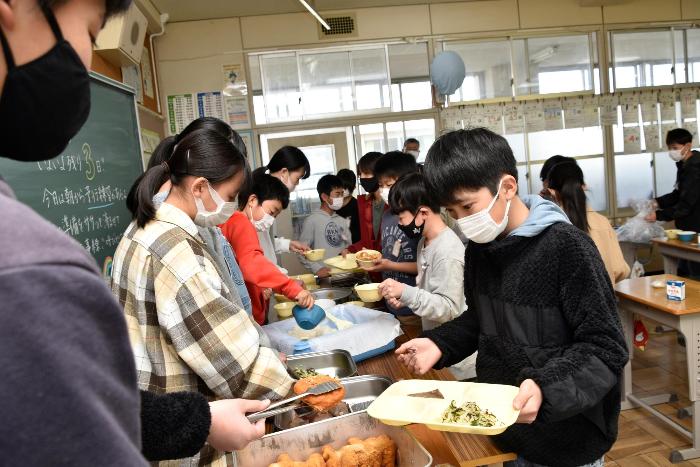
x=336 y=363
x=360 y=391
x=336 y=294
x=303 y=441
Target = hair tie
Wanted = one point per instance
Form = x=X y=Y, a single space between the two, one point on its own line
x=165 y=166
x=267 y=171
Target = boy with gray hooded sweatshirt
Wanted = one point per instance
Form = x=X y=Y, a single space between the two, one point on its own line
x=325 y=228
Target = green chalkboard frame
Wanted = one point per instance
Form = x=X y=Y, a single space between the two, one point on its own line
x=83 y=190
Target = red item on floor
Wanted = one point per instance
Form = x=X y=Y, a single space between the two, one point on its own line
x=641 y=335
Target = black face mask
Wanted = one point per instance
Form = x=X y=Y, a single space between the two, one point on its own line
x=44 y=102
x=370 y=185
x=412 y=230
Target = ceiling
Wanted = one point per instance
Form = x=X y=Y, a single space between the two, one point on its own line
x=189 y=10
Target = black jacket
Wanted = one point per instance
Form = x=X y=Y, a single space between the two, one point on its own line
x=683 y=203
x=173 y=426
x=543 y=308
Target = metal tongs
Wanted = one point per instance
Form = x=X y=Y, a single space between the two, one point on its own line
x=276 y=408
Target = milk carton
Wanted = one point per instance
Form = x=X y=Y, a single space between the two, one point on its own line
x=675 y=290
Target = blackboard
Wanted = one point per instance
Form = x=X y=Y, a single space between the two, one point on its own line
x=83 y=191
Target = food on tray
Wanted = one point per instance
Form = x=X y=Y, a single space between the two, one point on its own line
x=301 y=373
x=368 y=255
x=379 y=451
x=434 y=394
x=304 y=334
x=469 y=413
x=322 y=402
x=305 y=415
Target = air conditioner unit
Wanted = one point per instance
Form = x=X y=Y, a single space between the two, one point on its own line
x=121 y=41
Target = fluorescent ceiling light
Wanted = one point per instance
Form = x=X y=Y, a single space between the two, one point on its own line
x=316 y=15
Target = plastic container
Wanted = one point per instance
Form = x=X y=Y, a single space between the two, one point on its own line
x=284 y=310
x=686 y=236
x=302 y=347
x=367 y=258
x=308 y=318
x=368 y=293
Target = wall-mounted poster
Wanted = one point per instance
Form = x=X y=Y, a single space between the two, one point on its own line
x=249 y=141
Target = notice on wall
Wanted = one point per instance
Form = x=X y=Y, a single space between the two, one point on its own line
x=648 y=102
x=237 y=111
x=451 y=118
x=234 y=83
x=633 y=144
x=534 y=116
x=667 y=105
x=247 y=137
x=210 y=104
x=131 y=76
x=553 y=114
x=608 y=109
x=591 y=117
x=513 y=118
x=629 y=104
x=147 y=73
x=689 y=99
x=149 y=142
x=652 y=138
x=692 y=127
x=180 y=112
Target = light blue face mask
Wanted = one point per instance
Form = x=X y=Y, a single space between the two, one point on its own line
x=159 y=198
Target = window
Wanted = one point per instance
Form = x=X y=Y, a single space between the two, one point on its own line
x=544 y=65
x=646 y=58
x=553 y=65
x=390 y=136
x=410 y=76
x=488 y=69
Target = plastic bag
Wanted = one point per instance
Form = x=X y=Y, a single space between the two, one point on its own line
x=637 y=229
x=637 y=270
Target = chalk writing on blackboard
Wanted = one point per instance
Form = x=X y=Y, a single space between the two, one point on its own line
x=98 y=196
x=77 y=225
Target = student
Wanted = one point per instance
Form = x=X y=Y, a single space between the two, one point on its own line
x=217 y=245
x=542 y=312
x=682 y=205
x=259 y=205
x=290 y=165
x=398 y=251
x=370 y=206
x=349 y=210
x=438 y=296
x=566 y=188
x=85 y=357
x=412 y=146
x=547 y=166
x=324 y=228
x=186 y=332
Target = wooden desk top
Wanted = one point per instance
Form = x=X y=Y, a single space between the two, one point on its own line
x=691 y=246
x=640 y=290
x=446 y=448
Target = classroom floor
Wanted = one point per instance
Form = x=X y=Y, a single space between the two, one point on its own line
x=643 y=439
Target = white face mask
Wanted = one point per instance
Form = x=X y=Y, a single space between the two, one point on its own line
x=480 y=227
x=415 y=154
x=224 y=210
x=336 y=203
x=676 y=155
x=384 y=193
x=264 y=224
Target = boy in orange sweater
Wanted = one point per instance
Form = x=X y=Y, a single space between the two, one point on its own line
x=259 y=206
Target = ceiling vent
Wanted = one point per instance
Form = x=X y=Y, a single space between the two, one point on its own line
x=342 y=26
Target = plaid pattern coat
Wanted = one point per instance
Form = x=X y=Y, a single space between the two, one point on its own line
x=186 y=333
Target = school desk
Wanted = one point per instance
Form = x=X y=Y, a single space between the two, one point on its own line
x=446 y=448
x=675 y=250
x=637 y=296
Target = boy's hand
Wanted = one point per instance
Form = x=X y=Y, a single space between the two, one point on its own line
x=380 y=265
x=394 y=303
x=345 y=252
x=419 y=355
x=230 y=429
x=528 y=401
x=391 y=289
x=298 y=247
x=305 y=299
x=267 y=293
x=323 y=273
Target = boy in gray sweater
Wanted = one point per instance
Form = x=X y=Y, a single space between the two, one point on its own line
x=438 y=296
x=324 y=228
